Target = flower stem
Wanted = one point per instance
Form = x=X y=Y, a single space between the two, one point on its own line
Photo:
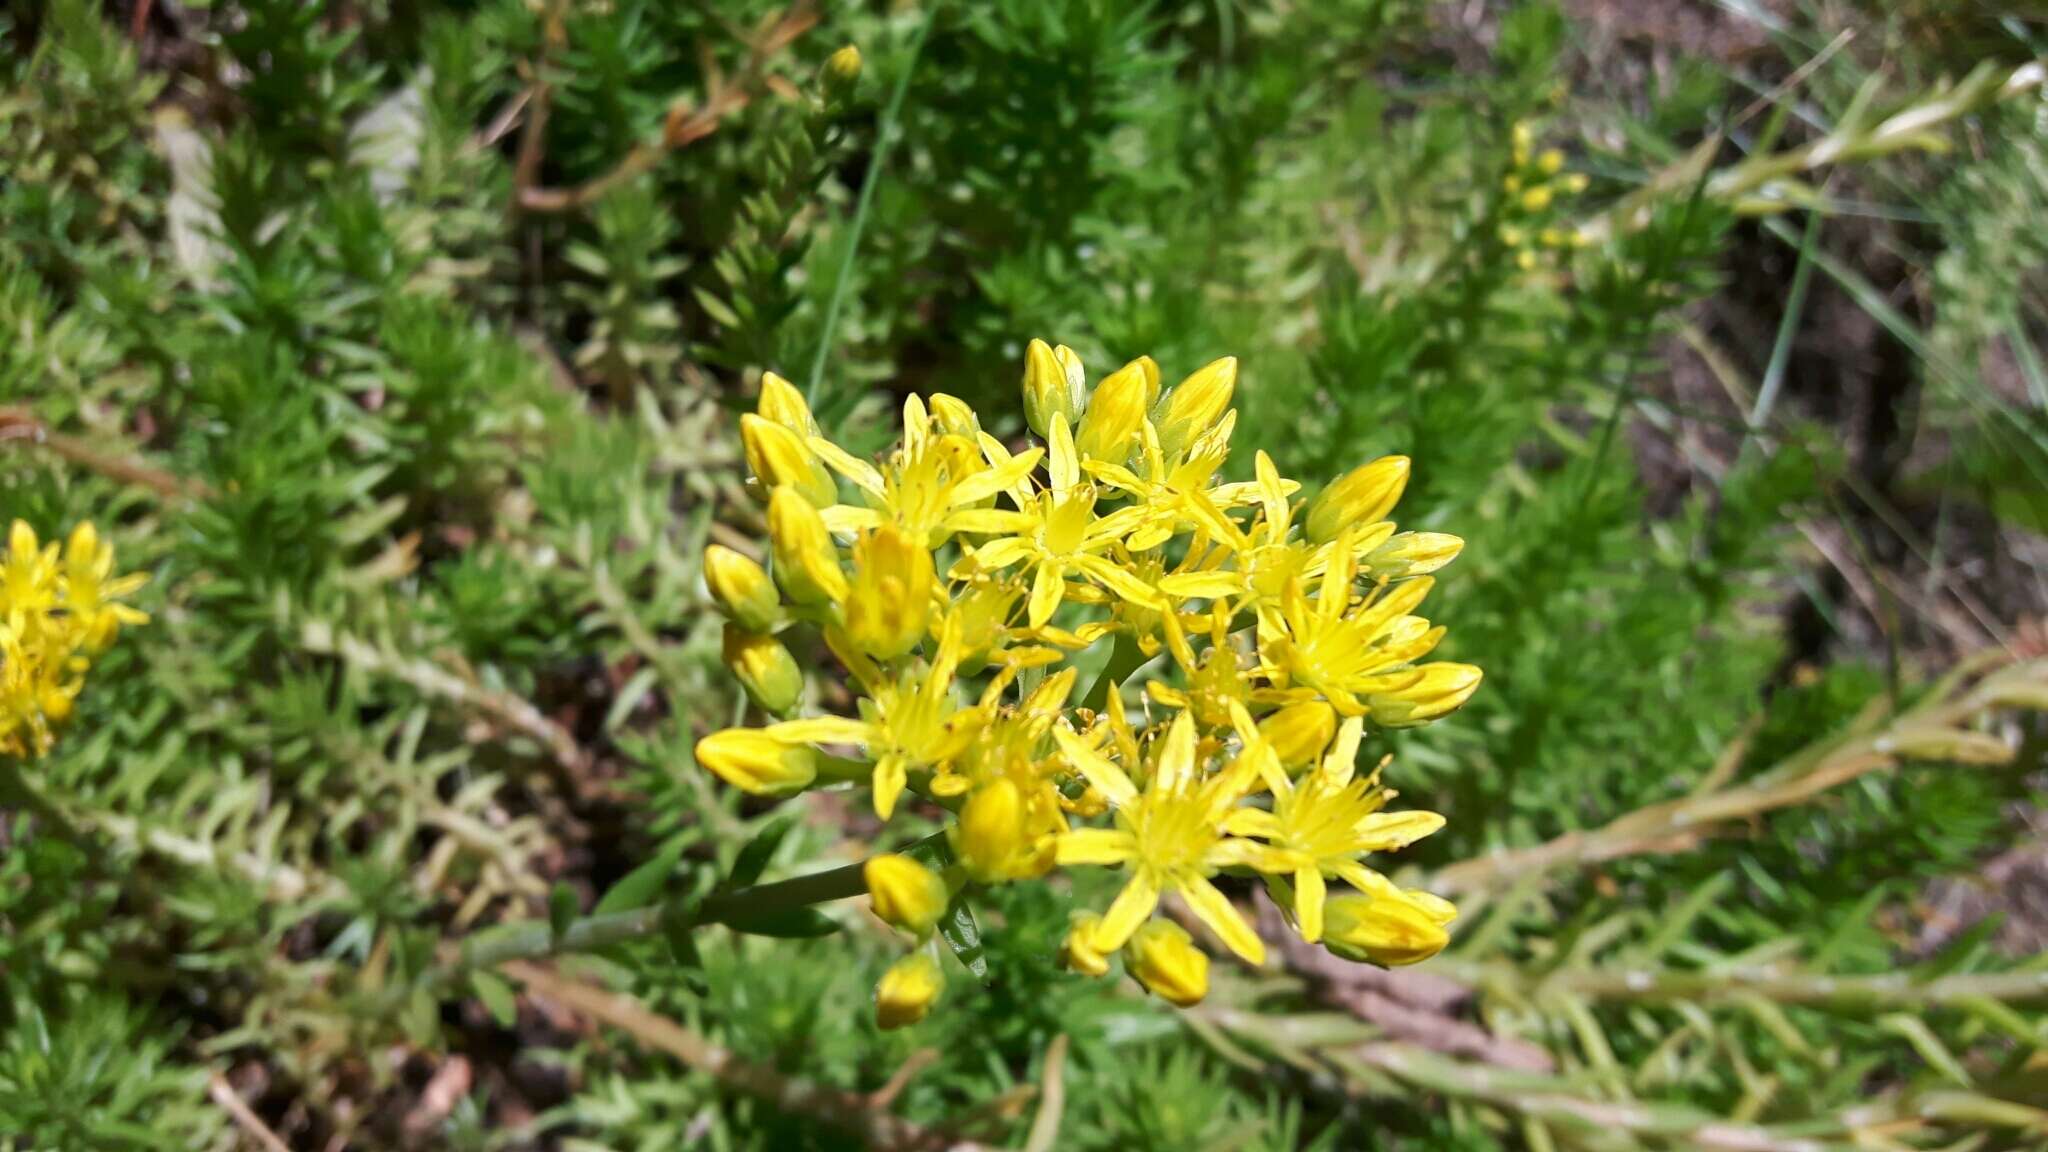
x=533 y=938
x=1124 y=659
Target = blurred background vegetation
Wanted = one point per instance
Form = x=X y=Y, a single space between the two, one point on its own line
x=399 y=342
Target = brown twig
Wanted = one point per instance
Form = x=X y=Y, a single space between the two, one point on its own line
x=245 y=1118
x=1415 y=1006
x=684 y=125
x=848 y=1110
x=18 y=424
x=1052 y=1099
x=884 y=1098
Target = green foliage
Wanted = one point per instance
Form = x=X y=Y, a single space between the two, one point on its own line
x=423 y=479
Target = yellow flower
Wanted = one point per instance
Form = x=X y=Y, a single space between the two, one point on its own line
x=742 y=588
x=907 y=991
x=843 y=66
x=909 y=721
x=806 y=564
x=1344 y=653
x=1170 y=835
x=92 y=593
x=55 y=616
x=891 y=596
x=758 y=763
x=1321 y=824
x=904 y=893
x=1389 y=926
x=1057 y=531
x=1163 y=957
x=763 y=667
x=937 y=484
x=961 y=554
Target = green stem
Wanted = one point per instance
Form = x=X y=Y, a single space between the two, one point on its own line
x=529 y=939
x=1123 y=660
x=17 y=791
x=885 y=138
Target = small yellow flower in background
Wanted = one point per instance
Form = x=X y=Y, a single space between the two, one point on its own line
x=905 y=894
x=907 y=991
x=1529 y=224
x=59 y=608
x=963 y=579
x=844 y=65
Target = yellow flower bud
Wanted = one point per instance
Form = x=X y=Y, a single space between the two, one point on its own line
x=1116 y=412
x=1550 y=162
x=843 y=66
x=1165 y=960
x=991 y=835
x=1053 y=385
x=779 y=458
x=1537 y=199
x=782 y=403
x=806 y=564
x=904 y=893
x=1078 y=952
x=1527 y=260
x=907 y=991
x=1195 y=404
x=1524 y=135
x=756 y=763
x=1574 y=183
x=953 y=415
x=1298 y=733
x=1362 y=496
x=1512 y=236
x=891 y=596
x=742 y=588
x=1413 y=554
x=1441 y=690
x=1391 y=928
x=764 y=668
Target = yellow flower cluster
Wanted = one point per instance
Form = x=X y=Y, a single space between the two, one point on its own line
x=1529 y=218
x=1291 y=625
x=58 y=610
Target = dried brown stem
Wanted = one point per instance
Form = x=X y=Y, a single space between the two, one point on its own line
x=245 y=1118
x=685 y=124
x=18 y=424
x=1938 y=728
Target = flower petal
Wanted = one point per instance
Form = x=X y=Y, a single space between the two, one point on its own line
x=1098 y=770
x=1096 y=846
x=1223 y=918
x=1308 y=902
x=1133 y=906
